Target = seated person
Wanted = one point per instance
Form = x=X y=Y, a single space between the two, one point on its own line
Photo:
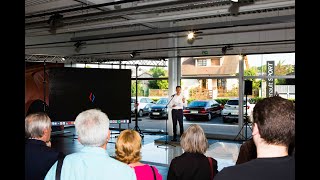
x=193 y=164
x=39 y=156
x=128 y=147
x=92 y=161
x=273 y=131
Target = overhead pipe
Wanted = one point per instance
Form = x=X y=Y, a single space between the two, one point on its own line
x=80 y=8
x=131 y=10
x=246 y=22
x=156 y=38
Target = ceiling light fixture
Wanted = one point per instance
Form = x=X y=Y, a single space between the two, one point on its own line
x=79 y=45
x=225 y=48
x=54 y=22
x=191 y=35
x=133 y=54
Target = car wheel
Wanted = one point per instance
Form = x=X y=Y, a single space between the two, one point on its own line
x=225 y=120
x=151 y=117
x=209 y=117
x=188 y=119
x=140 y=113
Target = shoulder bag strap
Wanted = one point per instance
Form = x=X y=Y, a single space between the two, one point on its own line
x=154 y=174
x=59 y=166
x=211 y=168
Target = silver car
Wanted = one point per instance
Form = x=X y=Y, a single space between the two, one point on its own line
x=230 y=112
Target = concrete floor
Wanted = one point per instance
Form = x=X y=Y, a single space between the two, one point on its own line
x=154 y=149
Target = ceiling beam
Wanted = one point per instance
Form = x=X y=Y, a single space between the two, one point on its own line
x=246 y=22
x=79 y=8
x=181 y=16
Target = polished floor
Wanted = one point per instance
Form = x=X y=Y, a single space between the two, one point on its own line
x=154 y=149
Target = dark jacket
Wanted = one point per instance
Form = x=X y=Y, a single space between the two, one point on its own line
x=191 y=166
x=38 y=159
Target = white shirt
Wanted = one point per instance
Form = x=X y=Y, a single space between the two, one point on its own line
x=92 y=163
x=177 y=100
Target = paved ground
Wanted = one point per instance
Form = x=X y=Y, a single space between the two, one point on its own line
x=213 y=127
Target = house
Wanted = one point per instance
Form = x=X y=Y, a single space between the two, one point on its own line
x=211 y=67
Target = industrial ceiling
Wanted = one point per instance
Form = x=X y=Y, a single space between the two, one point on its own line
x=103 y=30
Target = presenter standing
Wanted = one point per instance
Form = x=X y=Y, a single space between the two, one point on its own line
x=177 y=103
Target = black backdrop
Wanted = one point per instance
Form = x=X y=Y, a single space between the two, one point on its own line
x=70 y=89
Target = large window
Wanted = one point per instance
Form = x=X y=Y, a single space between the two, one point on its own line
x=281 y=68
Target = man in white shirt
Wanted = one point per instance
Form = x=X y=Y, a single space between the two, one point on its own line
x=177 y=103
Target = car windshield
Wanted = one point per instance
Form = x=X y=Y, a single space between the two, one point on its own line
x=197 y=104
x=162 y=101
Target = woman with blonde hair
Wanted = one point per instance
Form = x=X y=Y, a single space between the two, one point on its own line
x=128 y=150
x=193 y=164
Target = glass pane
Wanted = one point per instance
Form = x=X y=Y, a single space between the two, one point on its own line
x=267 y=64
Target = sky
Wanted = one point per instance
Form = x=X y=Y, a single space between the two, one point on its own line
x=255 y=60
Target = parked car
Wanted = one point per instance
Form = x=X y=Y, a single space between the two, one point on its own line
x=230 y=111
x=202 y=109
x=159 y=109
x=133 y=100
x=143 y=105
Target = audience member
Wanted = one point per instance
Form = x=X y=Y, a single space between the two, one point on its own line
x=128 y=148
x=193 y=164
x=247 y=152
x=39 y=156
x=93 y=161
x=273 y=131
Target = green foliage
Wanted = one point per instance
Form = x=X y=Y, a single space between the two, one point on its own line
x=157 y=72
x=190 y=100
x=133 y=88
x=250 y=72
x=280 y=81
x=293 y=100
x=254 y=100
x=155 y=99
x=255 y=82
x=153 y=84
x=222 y=101
x=163 y=84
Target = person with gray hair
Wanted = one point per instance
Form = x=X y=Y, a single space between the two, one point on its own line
x=272 y=133
x=93 y=161
x=193 y=164
x=39 y=156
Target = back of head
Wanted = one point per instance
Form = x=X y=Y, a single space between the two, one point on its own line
x=193 y=140
x=128 y=146
x=35 y=123
x=92 y=127
x=38 y=105
x=275 y=118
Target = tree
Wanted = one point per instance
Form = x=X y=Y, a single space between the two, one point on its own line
x=157 y=72
x=133 y=88
x=163 y=84
x=255 y=83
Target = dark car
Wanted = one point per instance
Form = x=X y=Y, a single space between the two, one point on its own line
x=159 y=109
x=202 y=109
